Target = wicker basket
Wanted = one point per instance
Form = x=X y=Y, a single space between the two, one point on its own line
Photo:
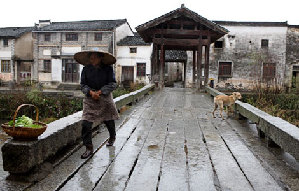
x=24 y=133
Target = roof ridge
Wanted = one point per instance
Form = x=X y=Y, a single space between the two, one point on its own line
x=90 y=21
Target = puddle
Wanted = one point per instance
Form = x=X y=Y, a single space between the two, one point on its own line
x=151 y=147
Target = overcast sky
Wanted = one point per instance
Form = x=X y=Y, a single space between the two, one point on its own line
x=26 y=13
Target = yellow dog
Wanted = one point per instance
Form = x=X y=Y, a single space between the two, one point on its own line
x=225 y=100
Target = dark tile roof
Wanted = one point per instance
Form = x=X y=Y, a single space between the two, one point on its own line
x=182 y=11
x=175 y=55
x=294 y=26
x=237 y=23
x=83 y=25
x=133 y=41
x=14 y=32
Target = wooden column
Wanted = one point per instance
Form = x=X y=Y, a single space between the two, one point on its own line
x=155 y=58
x=194 y=66
x=199 y=60
x=162 y=66
x=207 y=65
x=185 y=67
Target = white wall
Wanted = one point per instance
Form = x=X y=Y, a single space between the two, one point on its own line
x=6 y=54
x=56 y=70
x=70 y=50
x=122 y=31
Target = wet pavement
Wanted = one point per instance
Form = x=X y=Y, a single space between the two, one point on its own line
x=169 y=141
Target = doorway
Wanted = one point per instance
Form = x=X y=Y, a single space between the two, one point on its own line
x=127 y=75
x=70 y=71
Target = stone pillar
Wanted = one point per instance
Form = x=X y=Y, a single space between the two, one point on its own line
x=199 y=60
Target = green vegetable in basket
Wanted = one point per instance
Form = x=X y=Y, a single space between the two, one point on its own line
x=24 y=121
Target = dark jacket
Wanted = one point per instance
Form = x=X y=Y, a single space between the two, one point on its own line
x=98 y=78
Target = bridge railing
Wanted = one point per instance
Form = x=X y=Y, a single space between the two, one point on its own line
x=23 y=157
x=276 y=130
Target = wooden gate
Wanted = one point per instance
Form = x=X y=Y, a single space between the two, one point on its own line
x=70 y=71
x=127 y=75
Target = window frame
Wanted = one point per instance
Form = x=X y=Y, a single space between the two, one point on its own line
x=5 y=42
x=96 y=36
x=142 y=66
x=220 y=72
x=47 y=66
x=133 y=48
x=217 y=45
x=264 y=43
x=71 y=37
x=6 y=67
x=47 y=37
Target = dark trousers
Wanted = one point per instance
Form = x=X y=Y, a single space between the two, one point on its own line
x=86 y=133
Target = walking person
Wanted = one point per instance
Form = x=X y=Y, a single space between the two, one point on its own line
x=97 y=84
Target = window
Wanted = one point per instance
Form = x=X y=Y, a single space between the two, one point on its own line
x=47 y=66
x=98 y=36
x=225 y=69
x=133 y=50
x=264 y=43
x=5 y=66
x=47 y=37
x=5 y=42
x=269 y=70
x=140 y=69
x=218 y=44
x=71 y=37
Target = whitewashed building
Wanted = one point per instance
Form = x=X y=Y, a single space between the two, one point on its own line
x=133 y=60
x=55 y=44
x=16 y=53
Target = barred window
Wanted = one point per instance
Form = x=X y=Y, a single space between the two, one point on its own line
x=5 y=66
x=47 y=66
x=47 y=37
x=218 y=44
x=141 y=69
x=269 y=70
x=133 y=50
x=225 y=69
x=98 y=36
x=71 y=37
x=264 y=43
x=5 y=42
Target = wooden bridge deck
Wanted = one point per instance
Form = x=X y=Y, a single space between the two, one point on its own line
x=171 y=142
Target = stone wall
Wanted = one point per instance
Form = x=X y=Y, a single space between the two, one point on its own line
x=242 y=47
x=292 y=52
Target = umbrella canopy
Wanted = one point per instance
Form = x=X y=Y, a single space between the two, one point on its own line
x=83 y=57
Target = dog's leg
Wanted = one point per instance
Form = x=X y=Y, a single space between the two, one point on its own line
x=216 y=105
x=228 y=108
x=221 y=109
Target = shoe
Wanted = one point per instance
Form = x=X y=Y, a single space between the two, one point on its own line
x=110 y=142
x=88 y=152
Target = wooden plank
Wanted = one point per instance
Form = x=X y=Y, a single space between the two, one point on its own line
x=176 y=42
x=228 y=172
x=259 y=178
x=201 y=175
x=92 y=171
x=146 y=173
x=174 y=172
x=181 y=32
x=119 y=171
